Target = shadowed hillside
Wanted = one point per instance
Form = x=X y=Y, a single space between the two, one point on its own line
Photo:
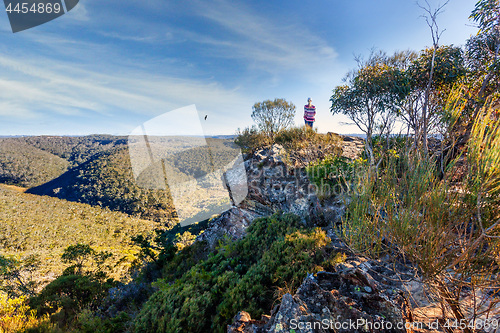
x=107 y=181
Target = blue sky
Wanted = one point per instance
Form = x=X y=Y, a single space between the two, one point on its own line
x=109 y=66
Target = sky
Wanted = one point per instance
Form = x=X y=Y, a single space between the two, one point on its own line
x=110 y=66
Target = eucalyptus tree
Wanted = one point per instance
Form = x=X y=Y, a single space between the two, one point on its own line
x=368 y=97
x=273 y=116
x=483 y=50
x=431 y=19
x=426 y=103
x=482 y=83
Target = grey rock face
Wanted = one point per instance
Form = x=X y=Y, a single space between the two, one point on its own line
x=272 y=186
x=354 y=298
x=277 y=181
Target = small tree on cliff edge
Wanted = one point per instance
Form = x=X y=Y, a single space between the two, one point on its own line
x=273 y=116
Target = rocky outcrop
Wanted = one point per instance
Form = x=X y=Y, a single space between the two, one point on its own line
x=278 y=182
x=272 y=186
x=352 y=146
x=356 y=297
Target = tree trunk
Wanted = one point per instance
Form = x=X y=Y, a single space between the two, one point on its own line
x=425 y=117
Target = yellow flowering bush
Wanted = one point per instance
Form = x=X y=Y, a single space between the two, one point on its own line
x=16 y=315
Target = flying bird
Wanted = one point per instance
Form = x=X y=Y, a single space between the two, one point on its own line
x=206 y=116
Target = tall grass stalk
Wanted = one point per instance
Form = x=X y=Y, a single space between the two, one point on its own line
x=449 y=231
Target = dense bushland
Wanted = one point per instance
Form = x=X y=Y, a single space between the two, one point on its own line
x=248 y=275
x=107 y=181
x=35 y=160
x=75 y=149
x=434 y=208
x=24 y=165
x=34 y=230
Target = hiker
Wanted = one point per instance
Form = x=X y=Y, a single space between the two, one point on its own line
x=309 y=113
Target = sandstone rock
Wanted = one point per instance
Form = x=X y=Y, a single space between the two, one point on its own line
x=277 y=181
x=352 y=147
x=243 y=323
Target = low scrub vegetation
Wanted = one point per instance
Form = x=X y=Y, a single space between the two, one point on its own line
x=17 y=316
x=294 y=138
x=244 y=275
x=447 y=230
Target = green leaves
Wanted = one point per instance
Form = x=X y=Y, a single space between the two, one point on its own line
x=448 y=67
x=273 y=116
x=487 y=14
x=17 y=275
x=243 y=275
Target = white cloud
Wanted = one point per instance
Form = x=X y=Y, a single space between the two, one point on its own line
x=260 y=40
x=60 y=88
x=10 y=109
x=79 y=13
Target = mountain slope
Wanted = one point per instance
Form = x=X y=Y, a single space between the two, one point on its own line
x=24 y=165
x=75 y=150
x=44 y=226
x=106 y=180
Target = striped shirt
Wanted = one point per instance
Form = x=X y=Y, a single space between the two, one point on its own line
x=309 y=112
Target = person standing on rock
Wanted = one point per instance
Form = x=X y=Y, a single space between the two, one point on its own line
x=309 y=113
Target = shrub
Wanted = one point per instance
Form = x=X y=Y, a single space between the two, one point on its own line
x=88 y=322
x=240 y=275
x=294 y=138
x=251 y=139
x=42 y=227
x=81 y=286
x=273 y=116
x=18 y=275
x=333 y=175
x=302 y=137
x=450 y=234
x=16 y=315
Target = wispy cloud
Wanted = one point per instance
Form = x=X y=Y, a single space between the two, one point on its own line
x=127 y=68
x=260 y=40
x=79 y=13
x=70 y=91
x=11 y=109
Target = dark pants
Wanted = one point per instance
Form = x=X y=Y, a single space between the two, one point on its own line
x=309 y=123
